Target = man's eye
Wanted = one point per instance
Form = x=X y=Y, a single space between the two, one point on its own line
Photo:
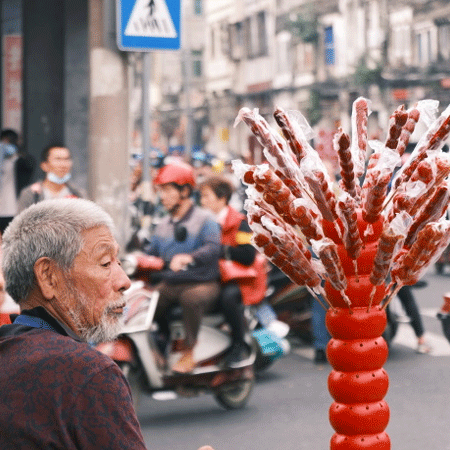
x=106 y=264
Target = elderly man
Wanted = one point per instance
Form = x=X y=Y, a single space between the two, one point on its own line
x=61 y=266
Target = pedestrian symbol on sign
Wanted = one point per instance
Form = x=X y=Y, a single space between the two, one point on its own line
x=150 y=18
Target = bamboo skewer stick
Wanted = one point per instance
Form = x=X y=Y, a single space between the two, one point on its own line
x=391 y=296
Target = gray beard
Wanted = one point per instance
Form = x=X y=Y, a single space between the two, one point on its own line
x=106 y=330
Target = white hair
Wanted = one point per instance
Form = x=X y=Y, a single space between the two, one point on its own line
x=51 y=228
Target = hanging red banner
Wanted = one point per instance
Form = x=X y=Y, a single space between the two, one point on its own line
x=12 y=82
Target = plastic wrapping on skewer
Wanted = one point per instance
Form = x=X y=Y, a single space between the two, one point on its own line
x=271 y=240
x=319 y=183
x=396 y=122
x=256 y=210
x=376 y=188
x=389 y=244
x=301 y=212
x=352 y=240
x=432 y=211
x=408 y=130
x=406 y=198
x=432 y=141
x=293 y=132
x=268 y=184
x=275 y=192
x=430 y=243
x=327 y=251
x=277 y=152
x=360 y=114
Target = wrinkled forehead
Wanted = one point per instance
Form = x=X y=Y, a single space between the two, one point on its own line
x=98 y=240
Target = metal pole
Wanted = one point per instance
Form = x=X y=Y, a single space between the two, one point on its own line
x=189 y=118
x=146 y=189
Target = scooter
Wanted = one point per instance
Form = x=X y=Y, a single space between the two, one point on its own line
x=138 y=349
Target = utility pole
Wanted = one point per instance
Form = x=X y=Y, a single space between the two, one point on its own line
x=108 y=135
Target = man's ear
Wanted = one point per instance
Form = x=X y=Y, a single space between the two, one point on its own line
x=46 y=274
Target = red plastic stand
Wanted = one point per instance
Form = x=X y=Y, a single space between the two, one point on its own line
x=357 y=352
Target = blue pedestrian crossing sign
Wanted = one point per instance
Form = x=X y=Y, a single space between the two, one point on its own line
x=144 y=25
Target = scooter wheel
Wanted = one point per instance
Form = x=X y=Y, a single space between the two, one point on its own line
x=236 y=395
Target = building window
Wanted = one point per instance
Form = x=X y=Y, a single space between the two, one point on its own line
x=198 y=7
x=247 y=38
x=196 y=57
x=255 y=35
x=444 y=42
x=284 y=62
x=236 y=41
x=330 y=56
x=423 y=41
x=262 y=33
x=213 y=43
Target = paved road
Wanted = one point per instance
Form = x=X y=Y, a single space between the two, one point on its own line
x=289 y=406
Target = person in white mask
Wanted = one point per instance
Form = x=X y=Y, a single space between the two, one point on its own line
x=16 y=170
x=56 y=163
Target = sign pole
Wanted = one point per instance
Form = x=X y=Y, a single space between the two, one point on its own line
x=146 y=189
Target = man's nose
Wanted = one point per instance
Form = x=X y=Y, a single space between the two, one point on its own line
x=121 y=280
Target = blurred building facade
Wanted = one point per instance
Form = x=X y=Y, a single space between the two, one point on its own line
x=65 y=82
x=63 y=77
x=319 y=56
x=313 y=56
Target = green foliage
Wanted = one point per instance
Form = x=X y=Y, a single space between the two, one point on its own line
x=314 y=110
x=365 y=76
x=304 y=28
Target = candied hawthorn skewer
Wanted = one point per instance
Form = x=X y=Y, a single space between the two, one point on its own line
x=409 y=267
x=269 y=185
x=407 y=130
x=303 y=217
x=431 y=171
x=291 y=134
x=268 y=239
x=359 y=119
x=373 y=205
x=376 y=185
x=437 y=133
x=327 y=251
x=406 y=198
x=277 y=194
x=349 y=182
x=256 y=210
x=277 y=152
x=396 y=122
x=433 y=210
x=323 y=195
x=352 y=240
x=390 y=242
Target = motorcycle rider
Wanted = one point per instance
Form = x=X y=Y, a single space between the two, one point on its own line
x=215 y=194
x=188 y=240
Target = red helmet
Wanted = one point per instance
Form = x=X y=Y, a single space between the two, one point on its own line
x=179 y=173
